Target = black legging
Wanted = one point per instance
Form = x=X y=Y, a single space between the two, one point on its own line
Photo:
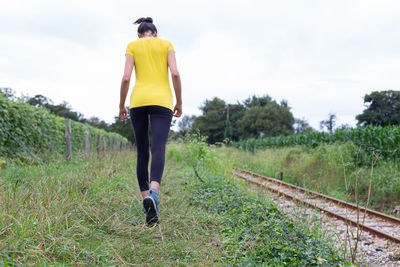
x=160 y=120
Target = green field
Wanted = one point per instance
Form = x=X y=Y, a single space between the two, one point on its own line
x=381 y=141
x=88 y=212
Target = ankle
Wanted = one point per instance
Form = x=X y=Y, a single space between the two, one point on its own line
x=153 y=191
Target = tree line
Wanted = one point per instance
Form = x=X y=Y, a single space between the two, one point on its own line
x=256 y=116
x=264 y=117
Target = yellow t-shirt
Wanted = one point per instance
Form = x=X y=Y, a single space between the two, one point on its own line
x=151 y=69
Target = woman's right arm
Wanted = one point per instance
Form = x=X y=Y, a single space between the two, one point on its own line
x=176 y=81
x=129 y=62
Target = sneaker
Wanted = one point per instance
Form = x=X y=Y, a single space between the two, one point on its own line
x=150 y=205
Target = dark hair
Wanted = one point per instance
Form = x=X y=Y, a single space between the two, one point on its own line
x=146 y=24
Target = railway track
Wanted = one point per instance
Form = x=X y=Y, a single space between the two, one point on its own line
x=379 y=224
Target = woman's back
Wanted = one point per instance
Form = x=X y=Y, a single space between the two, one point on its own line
x=151 y=70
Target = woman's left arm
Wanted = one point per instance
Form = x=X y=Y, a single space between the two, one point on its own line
x=129 y=62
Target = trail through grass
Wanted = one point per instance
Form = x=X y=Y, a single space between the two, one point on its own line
x=89 y=212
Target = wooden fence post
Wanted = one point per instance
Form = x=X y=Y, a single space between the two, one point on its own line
x=68 y=138
x=98 y=146
x=104 y=145
x=113 y=144
x=87 y=143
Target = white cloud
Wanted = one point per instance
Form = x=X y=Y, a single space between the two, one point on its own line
x=321 y=56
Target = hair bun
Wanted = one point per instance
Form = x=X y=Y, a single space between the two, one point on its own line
x=148 y=19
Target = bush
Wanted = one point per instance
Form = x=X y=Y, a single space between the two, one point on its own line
x=38 y=130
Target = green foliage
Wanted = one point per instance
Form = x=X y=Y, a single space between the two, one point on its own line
x=268 y=120
x=38 y=129
x=7 y=92
x=186 y=122
x=257 y=232
x=255 y=101
x=197 y=154
x=212 y=122
x=383 y=109
x=63 y=110
x=236 y=112
x=98 y=123
x=123 y=127
x=329 y=124
x=257 y=115
x=383 y=141
x=228 y=133
x=302 y=126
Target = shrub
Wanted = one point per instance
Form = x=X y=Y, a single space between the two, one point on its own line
x=38 y=130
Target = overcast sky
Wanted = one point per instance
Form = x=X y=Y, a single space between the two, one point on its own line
x=321 y=56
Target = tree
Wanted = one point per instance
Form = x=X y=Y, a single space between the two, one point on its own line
x=257 y=101
x=270 y=119
x=39 y=101
x=302 y=126
x=186 y=123
x=63 y=110
x=383 y=109
x=344 y=126
x=123 y=127
x=212 y=122
x=329 y=124
x=284 y=103
x=7 y=92
x=228 y=132
x=236 y=112
x=98 y=123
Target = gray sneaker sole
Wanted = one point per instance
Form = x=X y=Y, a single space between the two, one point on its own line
x=151 y=211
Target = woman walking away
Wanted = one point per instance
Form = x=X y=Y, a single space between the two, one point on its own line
x=151 y=98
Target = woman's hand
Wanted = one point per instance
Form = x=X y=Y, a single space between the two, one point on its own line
x=122 y=113
x=177 y=110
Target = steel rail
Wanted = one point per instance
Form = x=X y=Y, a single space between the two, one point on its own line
x=338 y=201
x=238 y=171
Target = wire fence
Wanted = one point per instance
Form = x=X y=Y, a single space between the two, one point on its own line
x=101 y=145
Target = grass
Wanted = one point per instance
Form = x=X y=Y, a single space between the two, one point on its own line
x=254 y=231
x=257 y=232
x=88 y=212
x=322 y=169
